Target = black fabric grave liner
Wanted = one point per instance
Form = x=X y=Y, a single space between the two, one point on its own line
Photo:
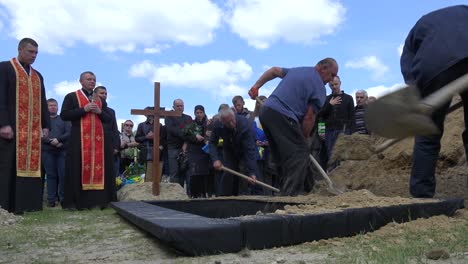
x=200 y=227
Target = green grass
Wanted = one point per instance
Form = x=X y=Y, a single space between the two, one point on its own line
x=59 y=236
x=54 y=229
x=412 y=246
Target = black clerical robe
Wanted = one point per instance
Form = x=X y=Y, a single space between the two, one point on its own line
x=20 y=184
x=77 y=195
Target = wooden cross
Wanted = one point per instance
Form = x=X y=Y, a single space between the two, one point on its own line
x=157 y=113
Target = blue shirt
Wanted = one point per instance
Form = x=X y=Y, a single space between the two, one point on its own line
x=299 y=88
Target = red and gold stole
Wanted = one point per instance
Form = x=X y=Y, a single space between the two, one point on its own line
x=92 y=147
x=28 y=121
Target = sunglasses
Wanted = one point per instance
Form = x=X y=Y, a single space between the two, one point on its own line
x=129 y=125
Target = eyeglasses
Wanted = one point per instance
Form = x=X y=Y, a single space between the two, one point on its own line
x=129 y=125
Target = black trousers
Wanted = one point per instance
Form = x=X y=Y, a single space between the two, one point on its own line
x=17 y=194
x=290 y=152
x=228 y=183
x=426 y=148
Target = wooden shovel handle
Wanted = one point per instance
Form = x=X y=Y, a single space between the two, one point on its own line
x=444 y=94
x=250 y=179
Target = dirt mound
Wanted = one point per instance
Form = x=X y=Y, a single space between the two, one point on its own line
x=7 y=218
x=319 y=203
x=387 y=173
x=144 y=191
x=353 y=199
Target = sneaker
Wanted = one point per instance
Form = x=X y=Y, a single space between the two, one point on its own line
x=50 y=204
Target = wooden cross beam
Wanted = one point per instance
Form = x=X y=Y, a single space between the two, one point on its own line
x=157 y=113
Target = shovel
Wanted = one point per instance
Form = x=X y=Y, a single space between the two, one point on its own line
x=391 y=142
x=331 y=186
x=258 y=105
x=363 y=147
x=403 y=114
x=245 y=177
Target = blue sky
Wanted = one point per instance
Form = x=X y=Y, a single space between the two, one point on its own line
x=205 y=52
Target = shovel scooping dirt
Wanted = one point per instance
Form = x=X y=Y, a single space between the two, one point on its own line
x=362 y=147
x=403 y=113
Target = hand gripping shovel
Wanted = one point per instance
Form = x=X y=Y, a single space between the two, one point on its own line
x=245 y=177
x=402 y=114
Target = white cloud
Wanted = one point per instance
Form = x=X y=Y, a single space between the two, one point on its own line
x=400 y=49
x=370 y=63
x=65 y=87
x=220 y=78
x=231 y=89
x=263 y=22
x=156 y=49
x=117 y=25
x=381 y=90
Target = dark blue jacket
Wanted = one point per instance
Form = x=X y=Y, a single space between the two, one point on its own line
x=240 y=142
x=438 y=41
x=60 y=130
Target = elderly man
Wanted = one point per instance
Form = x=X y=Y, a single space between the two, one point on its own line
x=359 y=111
x=288 y=117
x=175 y=140
x=238 y=145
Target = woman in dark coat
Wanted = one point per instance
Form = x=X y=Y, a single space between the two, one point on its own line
x=198 y=160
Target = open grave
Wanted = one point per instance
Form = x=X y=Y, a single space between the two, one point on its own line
x=213 y=226
x=197 y=227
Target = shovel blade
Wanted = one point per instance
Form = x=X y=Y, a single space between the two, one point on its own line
x=399 y=115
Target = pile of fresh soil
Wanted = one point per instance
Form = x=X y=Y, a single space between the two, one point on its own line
x=7 y=218
x=387 y=173
x=353 y=199
x=317 y=203
x=144 y=191
x=370 y=179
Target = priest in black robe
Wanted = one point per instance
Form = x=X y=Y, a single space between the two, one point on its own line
x=24 y=119
x=89 y=171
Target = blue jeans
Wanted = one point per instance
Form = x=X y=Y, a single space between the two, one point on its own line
x=54 y=165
